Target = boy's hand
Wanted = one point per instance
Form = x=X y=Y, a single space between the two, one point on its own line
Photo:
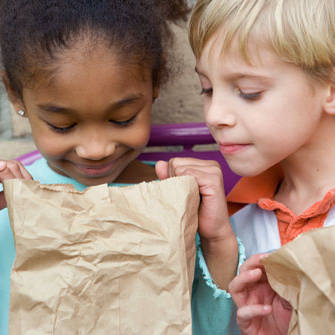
x=261 y=311
x=219 y=244
x=11 y=170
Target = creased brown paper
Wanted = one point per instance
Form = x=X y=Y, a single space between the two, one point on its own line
x=110 y=260
x=303 y=272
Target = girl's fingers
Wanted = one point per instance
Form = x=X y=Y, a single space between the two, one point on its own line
x=246 y=314
x=13 y=169
x=6 y=174
x=162 y=169
x=25 y=174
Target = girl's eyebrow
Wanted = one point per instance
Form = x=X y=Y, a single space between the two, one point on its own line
x=113 y=106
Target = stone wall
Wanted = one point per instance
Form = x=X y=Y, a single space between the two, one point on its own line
x=179 y=101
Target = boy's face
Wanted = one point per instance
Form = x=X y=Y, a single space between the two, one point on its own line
x=259 y=114
x=92 y=117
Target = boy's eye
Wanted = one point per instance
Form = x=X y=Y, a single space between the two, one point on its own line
x=125 y=122
x=249 y=96
x=206 y=91
x=61 y=130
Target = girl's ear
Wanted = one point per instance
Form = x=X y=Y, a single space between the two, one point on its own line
x=329 y=104
x=13 y=96
x=155 y=93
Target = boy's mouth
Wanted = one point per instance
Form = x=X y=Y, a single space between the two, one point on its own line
x=231 y=148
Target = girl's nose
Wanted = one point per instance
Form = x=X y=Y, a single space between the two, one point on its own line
x=219 y=113
x=95 y=149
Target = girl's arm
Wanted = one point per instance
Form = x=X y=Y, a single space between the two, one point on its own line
x=11 y=170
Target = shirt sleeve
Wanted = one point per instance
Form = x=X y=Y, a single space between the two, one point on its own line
x=213 y=310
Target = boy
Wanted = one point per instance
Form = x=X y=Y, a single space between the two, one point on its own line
x=267 y=73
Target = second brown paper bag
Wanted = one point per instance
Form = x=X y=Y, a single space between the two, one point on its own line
x=303 y=272
x=110 y=260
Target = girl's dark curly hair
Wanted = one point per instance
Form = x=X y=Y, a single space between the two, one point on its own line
x=34 y=32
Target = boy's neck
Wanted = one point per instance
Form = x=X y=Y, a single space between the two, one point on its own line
x=310 y=172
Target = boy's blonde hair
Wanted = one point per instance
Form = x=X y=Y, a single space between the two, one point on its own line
x=301 y=32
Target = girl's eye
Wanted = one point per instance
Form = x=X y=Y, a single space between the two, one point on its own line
x=249 y=96
x=61 y=130
x=206 y=91
x=124 y=123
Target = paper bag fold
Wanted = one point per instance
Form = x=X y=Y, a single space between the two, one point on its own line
x=303 y=272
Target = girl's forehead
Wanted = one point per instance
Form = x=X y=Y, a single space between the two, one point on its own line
x=80 y=63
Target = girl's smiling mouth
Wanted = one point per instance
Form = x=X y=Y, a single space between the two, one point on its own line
x=96 y=170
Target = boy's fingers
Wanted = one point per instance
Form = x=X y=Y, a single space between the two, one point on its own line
x=247 y=313
x=162 y=169
x=3 y=203
x=253 y=262
x=238 y=286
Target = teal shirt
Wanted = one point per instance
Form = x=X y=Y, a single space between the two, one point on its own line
x=213 y=312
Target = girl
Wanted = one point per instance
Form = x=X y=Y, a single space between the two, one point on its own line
x=85 y=73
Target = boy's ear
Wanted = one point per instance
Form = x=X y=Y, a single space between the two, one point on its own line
x=329 y=104
x=13 y=96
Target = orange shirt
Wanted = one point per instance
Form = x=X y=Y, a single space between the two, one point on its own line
x=261 y=190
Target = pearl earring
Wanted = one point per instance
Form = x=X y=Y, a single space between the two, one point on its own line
x=20 y=112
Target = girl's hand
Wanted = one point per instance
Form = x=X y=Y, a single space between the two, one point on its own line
x=219 y=244
x=261 y=311
x=11 y=170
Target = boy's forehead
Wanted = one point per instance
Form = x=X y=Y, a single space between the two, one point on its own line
x=249 y=52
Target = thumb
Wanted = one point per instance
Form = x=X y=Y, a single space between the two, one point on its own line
x=3 y=203
x=162 y=169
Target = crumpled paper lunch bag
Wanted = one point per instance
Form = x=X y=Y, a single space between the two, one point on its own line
x=303 y=272
x=109 y=260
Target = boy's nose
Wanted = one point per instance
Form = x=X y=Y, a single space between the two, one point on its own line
x=220 y=114
x=95 y=150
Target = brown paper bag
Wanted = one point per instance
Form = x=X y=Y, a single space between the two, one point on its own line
x=303 y=272
x=110 y=260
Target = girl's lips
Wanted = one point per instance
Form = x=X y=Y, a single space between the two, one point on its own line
x=231 y=148
x=95 y=171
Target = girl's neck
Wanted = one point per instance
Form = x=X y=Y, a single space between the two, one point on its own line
x=137 y=172
x=310 y=172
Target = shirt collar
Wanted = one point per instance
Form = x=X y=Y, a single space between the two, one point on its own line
x=248 y=190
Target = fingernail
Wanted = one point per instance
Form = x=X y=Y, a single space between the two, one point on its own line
x=266 y=308
x=2 y=165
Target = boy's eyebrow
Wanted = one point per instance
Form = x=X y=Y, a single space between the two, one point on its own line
x=247 y=75
x=114 y=106
x=240 y=75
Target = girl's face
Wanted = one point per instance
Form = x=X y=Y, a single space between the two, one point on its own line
x=92 y=117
